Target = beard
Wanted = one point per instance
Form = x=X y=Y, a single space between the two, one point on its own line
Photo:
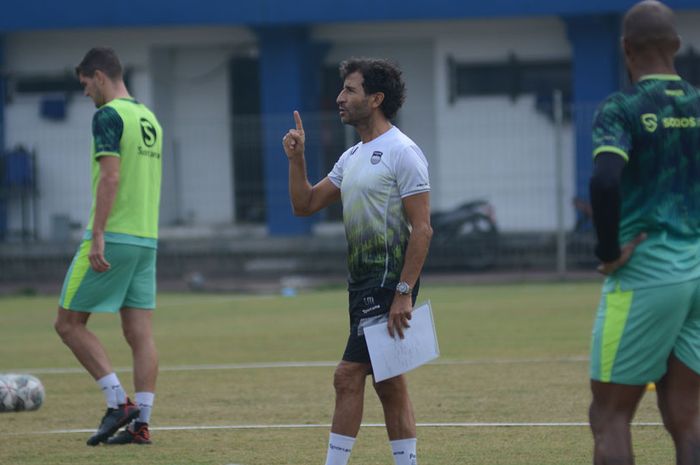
x=356 y=116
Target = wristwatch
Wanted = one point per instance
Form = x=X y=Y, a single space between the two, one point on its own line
x=403 y=288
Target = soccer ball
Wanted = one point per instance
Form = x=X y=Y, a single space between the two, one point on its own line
x=8 y=394
x=30 y=392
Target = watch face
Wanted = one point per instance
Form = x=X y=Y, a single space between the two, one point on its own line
x=403 y=288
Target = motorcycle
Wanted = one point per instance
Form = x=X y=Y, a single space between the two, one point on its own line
x=465 y=237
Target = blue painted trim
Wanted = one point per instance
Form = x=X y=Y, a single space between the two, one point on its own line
x=596 y=74
x=290 y=80
x=39 y=14
x=3 y=81
x=3 y=201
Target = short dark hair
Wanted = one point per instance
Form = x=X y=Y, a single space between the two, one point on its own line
x=103 y=59
x=379 y=75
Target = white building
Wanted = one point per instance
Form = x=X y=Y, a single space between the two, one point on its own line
x=499 y=144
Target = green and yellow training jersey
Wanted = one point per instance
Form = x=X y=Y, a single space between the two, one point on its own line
x=127 y=129
x=655 y=128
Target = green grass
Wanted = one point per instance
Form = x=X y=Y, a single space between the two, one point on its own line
x=523 y=347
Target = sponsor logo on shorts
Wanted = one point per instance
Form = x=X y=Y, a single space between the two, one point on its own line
x=370 y=309
x=370 y=305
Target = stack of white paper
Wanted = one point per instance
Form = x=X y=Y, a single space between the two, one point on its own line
x=394 y=356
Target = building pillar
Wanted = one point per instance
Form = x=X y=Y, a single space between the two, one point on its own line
x=3 y=89
x=3 y=199
x=290 y=74
x=595 y=43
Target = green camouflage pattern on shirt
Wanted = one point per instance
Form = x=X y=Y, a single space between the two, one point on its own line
x=376 y=250
x=655 y=126
x=107 y=127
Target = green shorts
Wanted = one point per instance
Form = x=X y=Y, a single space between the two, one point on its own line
x=130 y=281
x=636 y=331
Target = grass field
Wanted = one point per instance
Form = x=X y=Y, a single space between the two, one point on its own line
x=511 y=354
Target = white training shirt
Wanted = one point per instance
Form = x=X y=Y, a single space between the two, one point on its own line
x=373 y=178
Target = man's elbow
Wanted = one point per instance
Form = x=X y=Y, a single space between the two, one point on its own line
x=110 y=178
x=300 y=212
x=603 y=184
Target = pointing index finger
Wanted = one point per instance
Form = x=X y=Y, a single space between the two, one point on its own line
x=297 y=120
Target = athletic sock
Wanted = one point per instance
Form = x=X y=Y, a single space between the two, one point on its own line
x=112 y=390
x=339 y=448
x=404 y=451
x=144 y=401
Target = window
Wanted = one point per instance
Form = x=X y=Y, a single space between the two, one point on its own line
x=512 y=78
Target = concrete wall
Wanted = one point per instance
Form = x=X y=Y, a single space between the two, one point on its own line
x=478 y=147
x=181 y=73
x=495 y=148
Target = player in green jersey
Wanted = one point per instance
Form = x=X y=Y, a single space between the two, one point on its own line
x=645 y=195
x=114 y=268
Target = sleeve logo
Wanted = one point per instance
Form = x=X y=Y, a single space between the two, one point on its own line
x=148 y=132
x=650 y=122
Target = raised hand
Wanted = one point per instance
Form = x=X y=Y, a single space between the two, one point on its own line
x=293 y=141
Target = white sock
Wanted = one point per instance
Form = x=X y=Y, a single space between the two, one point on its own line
x=404 y=451
x=339 y=448
x=144 y=401
x=112 y=390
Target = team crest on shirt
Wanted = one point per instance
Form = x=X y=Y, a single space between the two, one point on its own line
x=376 y=157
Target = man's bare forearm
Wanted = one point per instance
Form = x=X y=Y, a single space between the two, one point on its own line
x=416 y=253
x=299 y=187
x=107 y=188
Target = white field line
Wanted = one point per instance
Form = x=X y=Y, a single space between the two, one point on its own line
x=308 y=364
x=327 y=425
x=214 y=300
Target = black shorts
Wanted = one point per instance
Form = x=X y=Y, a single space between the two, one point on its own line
x=368 y=307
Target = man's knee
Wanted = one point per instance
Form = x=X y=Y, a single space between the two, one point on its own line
x=595 y=418
x=390 y=389
x=678 y=398
x=130 y=334
x=679 y=414
x=349 y=379
x=137 y=337
x=65 y=326
x=62 y=328
x=136 y=327
x=603 y=418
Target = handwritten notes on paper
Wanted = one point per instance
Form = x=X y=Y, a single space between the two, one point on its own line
x=394 y=356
